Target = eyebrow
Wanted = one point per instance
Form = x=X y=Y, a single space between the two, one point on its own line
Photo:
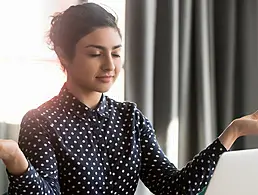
x=102 y=47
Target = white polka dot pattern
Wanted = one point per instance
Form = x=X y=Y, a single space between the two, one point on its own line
x=72 y=149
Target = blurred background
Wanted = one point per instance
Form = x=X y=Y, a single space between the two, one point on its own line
x=190 y=65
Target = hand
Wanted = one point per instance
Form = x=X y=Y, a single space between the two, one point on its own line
x=12 y=156
x=246 y=125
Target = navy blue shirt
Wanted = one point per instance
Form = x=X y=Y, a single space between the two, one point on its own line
x=72 y=149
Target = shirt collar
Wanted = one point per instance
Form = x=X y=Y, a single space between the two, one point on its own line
x=74 y=106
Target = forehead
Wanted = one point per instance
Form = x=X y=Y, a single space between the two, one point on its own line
x=107 y=37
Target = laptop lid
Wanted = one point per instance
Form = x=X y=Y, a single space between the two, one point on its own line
x=235 y=174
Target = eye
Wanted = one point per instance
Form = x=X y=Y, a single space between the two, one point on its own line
x=94 y=55
x=116 y=55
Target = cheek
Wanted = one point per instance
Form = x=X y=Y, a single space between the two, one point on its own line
x=85 y=65
x=118 y=66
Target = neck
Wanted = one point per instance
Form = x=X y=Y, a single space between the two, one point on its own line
x=89 y=98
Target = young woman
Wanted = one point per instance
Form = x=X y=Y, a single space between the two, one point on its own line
x=83 y=142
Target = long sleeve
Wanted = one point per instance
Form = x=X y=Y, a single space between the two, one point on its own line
x=42 y=174
x=162 y=177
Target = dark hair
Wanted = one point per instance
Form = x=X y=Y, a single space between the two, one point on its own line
x=68 y=27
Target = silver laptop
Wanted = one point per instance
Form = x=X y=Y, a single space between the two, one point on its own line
x=235 y=174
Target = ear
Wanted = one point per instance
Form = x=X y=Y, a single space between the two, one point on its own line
x=62 y=57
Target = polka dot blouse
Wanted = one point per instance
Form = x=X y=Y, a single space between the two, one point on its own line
x=72 y=149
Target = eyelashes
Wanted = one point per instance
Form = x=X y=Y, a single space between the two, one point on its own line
x=94 y=55
x=116 y=55
x=99 y=55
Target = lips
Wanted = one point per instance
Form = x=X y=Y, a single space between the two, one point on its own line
x=105 y=78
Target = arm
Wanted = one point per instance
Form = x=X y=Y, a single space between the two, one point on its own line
x=13 y=158
x=162 y=177
x=41 y=176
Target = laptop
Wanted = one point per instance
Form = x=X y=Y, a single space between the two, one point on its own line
x=235 y=174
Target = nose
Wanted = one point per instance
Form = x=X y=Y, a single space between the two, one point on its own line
x=108 y=64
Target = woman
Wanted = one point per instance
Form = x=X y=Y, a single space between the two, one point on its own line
x=83 y=142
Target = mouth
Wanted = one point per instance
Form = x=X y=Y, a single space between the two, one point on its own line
x=105 y=79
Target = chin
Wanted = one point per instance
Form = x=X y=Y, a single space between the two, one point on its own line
x=103 y=90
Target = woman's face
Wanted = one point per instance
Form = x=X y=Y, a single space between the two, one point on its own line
x=97 y=62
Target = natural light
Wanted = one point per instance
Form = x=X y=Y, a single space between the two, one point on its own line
x=29 y=70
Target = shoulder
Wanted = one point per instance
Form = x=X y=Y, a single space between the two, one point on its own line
x=122 y=106
x=126 y=108
x=39 y=113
